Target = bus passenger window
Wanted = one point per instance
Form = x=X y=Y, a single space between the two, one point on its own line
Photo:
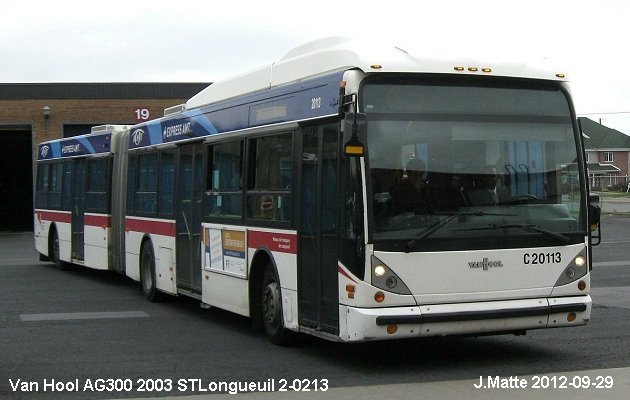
x=224 y=196
x=270 y=177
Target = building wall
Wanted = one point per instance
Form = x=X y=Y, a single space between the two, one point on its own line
x=620 y=160
x=76 y=111
x=23 y=126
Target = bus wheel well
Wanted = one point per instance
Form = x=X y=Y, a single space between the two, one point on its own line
x=54 y=252
x=147 y=271
x=52 y=231
x=146 y=239
x=257 y=270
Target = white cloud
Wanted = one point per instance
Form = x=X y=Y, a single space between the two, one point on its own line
x=207 y=40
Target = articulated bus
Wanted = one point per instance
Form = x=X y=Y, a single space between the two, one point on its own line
x=348 y=191
x=73 y=199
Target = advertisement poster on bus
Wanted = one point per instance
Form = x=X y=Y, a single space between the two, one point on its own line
x=224 y=250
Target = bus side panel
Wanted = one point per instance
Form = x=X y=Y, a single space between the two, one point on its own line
x=41 y=228
x=283 y=247
x=286 y=265
x=165 y=269
x=97 y=233
x=64 y=230
x=226 y=292
x=44 y=220
x=161 y=234
x=225 y=277
x=133 y=242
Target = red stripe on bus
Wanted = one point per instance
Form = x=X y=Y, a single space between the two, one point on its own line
x=54 y=216
x=103 y=221
x=165 y=228
x=282 y=242
x=344 y=273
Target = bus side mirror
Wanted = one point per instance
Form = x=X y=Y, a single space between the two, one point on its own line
x=594 y=218
x=353 y=123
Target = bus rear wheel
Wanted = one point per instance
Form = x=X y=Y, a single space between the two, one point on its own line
x=147 y=274
x=273 y=321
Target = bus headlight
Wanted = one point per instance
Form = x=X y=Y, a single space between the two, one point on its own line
x=384 y=278
x=580 y=261
x=576 y=269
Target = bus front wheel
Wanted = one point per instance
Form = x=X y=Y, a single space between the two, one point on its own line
x=147 y=274
x=273 y=323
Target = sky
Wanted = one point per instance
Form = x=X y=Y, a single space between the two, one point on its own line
x=205 y=41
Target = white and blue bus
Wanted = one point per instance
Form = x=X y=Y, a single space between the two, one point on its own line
x=356 y=192
x=73 y=198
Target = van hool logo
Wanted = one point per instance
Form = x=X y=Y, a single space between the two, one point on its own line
x=44 y=151
x=137 y=136
x=485 y=264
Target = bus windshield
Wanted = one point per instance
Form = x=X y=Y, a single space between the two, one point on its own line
x=457 y=163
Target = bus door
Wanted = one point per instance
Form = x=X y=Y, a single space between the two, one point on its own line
x=188 y=217
x=317 y=251
x=78 y=208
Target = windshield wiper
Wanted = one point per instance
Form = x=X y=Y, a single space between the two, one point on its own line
x=452 y=215
x=553 y=235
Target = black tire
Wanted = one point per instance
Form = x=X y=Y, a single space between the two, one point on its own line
x=271 y=301
x=147 y=274
x=55 y=253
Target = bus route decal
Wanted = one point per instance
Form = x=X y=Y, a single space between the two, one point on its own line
x=281 y=242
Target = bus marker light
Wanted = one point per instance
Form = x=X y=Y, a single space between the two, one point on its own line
x=561 y=75
x=391 y=329
x=458 y=68
x=486 y=69
x=376 y=66
x=473 y=69
x=355 y=150
x=571 y=317
x=581 y=285
x=350 y=289
x=379 y=297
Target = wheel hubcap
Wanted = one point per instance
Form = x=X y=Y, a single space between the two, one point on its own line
x=270 y=304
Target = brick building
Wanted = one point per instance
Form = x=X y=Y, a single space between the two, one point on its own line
x=32 y=113
x=607 y=155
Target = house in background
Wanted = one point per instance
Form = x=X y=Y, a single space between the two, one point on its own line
x=607 y=155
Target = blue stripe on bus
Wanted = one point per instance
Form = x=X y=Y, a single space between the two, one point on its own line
x=201 y=120
x=311 y=98
x=89 y=149
x=75 y=146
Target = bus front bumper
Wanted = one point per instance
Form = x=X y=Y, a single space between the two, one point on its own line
x=494 y=317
